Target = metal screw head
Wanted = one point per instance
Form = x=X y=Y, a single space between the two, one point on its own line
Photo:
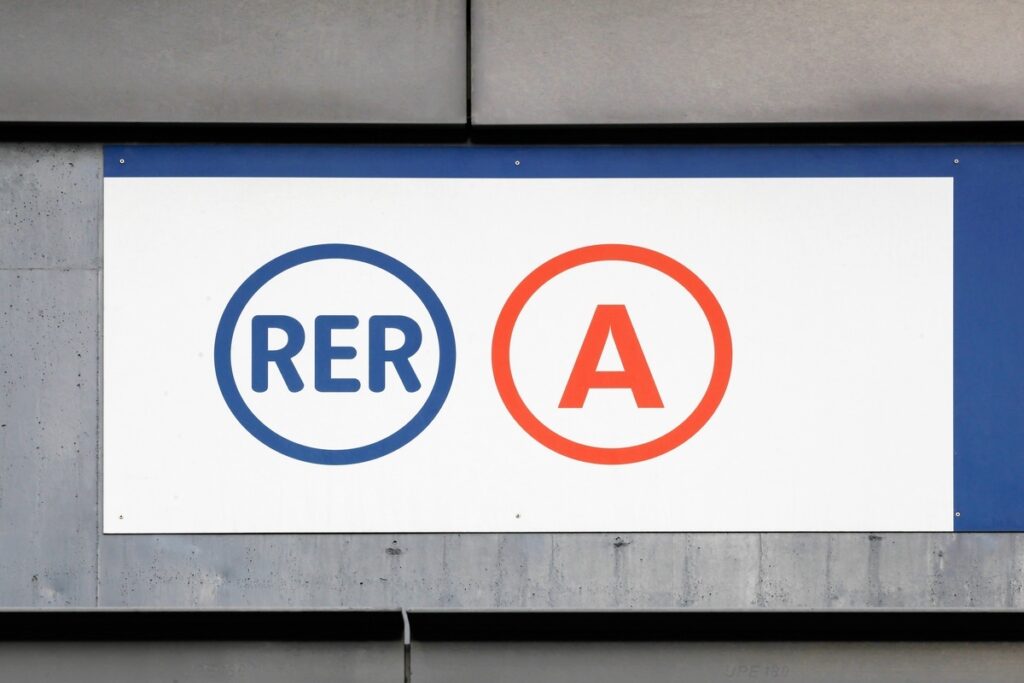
x=120 y=161
x=956 y=161
x=517 y=162
x=957 y=514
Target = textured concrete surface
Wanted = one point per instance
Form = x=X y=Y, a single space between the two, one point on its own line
x=567 y=570
x=350 y=61
x=209 y=662
x=51 y=205
x=672 y=61
x=716 y=662
x=48 y=421
x=49 y=503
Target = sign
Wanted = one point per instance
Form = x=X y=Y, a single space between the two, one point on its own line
x=389 y=339
x=330 y=419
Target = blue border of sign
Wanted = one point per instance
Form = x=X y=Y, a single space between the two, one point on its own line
x=323 y=456
x=988 y=209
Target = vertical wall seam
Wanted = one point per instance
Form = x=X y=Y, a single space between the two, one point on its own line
x=759 y=598
x=407 y=646
x=99 y=424
x=99 y=378
x=469 y=62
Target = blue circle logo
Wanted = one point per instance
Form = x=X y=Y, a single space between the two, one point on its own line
x=325 y=456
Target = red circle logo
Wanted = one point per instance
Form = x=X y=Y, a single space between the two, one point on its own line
x=501 y=344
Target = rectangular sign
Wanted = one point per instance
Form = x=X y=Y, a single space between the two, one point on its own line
x=359 y=339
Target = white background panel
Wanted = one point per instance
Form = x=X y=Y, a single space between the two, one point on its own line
x=838 y=413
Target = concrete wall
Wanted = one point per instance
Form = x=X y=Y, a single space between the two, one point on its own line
x=501 y=662
x=209 y=662
x=51 y=552
x=351 y=61
x=730 y=61
x=533 y=61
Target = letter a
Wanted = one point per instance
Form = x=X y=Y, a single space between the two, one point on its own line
x=635 y=375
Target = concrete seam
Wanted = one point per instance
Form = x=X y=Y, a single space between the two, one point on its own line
x=407 y=645
x=31 y=269
x=99 y=381
x=759 y=599
x=469 y=62
x=99 y=426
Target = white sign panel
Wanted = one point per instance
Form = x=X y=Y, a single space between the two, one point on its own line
x=459 y=354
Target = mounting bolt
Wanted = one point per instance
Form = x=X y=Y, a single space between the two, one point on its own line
x=956 y=161
x=957 y=514
x=517 y=162
x=120 y=161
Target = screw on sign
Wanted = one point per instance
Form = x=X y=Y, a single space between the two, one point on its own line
x=611 y=322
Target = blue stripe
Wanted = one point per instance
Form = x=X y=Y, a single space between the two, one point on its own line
x=326 y=161
x=988 y=370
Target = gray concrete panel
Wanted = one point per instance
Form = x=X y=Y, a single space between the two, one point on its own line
x=713 y=662
x=48 y=420
x=51 y=205
x=715 y=61
x=351 y=61
x=564 y=571
x=201 y=662
x=49 y=508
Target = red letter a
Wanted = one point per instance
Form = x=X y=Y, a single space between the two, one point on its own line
x=635 y=374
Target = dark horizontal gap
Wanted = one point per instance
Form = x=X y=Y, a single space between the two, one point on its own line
x=458 y=626
x=689 y=134
x=754 y=133
x=717 y=626
x=98 y=625
x=256 y=133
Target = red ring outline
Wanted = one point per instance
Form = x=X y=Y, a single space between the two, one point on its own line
x=502 y=340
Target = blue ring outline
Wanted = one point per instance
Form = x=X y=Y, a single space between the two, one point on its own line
x=325 y=456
